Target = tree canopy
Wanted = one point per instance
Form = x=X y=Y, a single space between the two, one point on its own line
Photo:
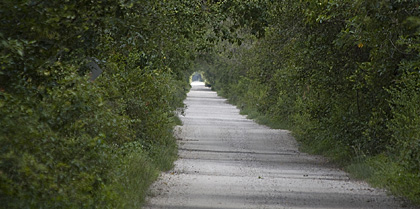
x=343 y=75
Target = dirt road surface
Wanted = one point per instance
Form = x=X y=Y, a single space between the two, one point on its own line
x=228 y=161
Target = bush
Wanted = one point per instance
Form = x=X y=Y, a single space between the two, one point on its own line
x=64 y=138
x=405 y=124
x=57 y=152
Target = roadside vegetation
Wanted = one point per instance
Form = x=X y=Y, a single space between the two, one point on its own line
x=344 y=76
x=70 y=141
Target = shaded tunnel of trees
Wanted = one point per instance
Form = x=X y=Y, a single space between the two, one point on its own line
x=89 y=90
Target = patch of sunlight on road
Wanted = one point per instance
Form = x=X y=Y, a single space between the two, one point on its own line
x=197 y=83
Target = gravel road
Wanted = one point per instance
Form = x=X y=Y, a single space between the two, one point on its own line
x=228 y=161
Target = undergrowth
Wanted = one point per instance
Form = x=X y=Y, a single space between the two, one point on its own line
x=384 y=172
x=138 y=171
x=275 y=123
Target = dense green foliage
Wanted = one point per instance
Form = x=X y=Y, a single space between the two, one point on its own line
x=68 y=142
x=343 y=75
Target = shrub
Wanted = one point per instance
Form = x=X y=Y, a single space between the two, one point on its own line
x=405 y=124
